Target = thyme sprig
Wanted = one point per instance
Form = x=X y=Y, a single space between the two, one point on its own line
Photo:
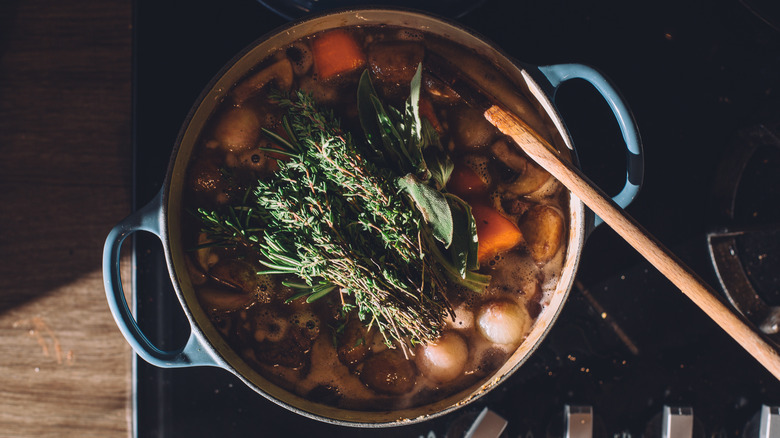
x=368 y=220
x=337 y=221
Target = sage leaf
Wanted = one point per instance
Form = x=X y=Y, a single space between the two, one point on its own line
x=440 y=166
x=413 y=106
x=366 y=112
x=459 y=250
x=433 y=205
x=469 y=232
x=389 y=134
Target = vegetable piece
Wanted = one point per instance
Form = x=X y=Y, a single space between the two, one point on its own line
x=280 y=72
x=336 y=52
x=503 y=322
x=443 y=360
x=389 y=373
x=238 y=129
x=542 y=227
x=495 y=232
x=237 y=274
x=439 y=91
x=207 y=180
x=353 y=345
x=530 y=177
x=220 y=300
x=465 y=182
x=300 y=57
x=471 y=129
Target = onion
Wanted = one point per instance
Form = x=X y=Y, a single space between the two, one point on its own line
x=445 y=359
x=503 y=322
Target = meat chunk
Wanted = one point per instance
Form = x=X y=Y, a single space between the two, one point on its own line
x=393 y=65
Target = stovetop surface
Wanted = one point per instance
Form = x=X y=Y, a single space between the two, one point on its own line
x=694 y=73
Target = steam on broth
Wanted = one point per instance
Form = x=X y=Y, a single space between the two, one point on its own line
x=397 y=311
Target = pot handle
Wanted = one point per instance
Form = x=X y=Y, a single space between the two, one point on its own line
x=150 y=219
x=560 y=73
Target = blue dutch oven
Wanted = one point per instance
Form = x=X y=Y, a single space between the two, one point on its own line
x=162 y=216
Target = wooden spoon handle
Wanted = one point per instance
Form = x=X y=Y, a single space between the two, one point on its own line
x=649 y=247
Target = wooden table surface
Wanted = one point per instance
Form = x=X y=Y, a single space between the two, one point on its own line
x=65 y=180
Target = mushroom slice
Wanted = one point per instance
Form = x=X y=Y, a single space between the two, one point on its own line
x=237 y=274
x=439 y=90
x=281 y=72
x=529 y=176
x=300 y=57
x=223 y=300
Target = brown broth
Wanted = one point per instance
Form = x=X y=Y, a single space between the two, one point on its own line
x=293 y=344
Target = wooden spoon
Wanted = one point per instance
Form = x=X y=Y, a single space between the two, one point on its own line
x=539 y=150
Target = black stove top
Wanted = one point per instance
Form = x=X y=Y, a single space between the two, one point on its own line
x=696 y=74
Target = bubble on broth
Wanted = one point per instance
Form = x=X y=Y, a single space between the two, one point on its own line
x=410 y=35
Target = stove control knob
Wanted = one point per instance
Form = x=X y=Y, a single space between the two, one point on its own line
x=487 y=425
x=677 y=422
x=577 y=421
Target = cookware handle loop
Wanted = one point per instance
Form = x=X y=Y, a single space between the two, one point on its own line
x=149 y=218
x=557 y=74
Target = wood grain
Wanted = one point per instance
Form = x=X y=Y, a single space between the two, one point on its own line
x=65 y=180
x=632 y=232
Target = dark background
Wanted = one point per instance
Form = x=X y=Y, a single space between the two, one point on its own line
x=694 y=73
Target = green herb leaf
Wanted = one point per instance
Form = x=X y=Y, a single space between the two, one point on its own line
x=367 y=113
x=440 y=166
x=413 y=106
x=459 y=250
x=433 y=206
x=473 y=281
x=393 y=143
x=465 y=244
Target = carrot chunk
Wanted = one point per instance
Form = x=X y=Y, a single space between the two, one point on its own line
x=496 y=233
x=336 y=52
x=465 y=182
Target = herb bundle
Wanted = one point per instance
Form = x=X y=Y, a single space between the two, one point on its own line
x=368 y=219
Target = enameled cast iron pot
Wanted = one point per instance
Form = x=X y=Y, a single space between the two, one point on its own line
x=162 y=216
